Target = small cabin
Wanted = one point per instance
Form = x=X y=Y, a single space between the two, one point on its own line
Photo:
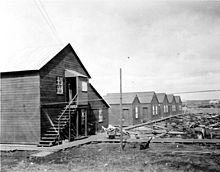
x=172 y=104
x=137 y=107
x=45 y=97
x=178 y=104
x=163 y=104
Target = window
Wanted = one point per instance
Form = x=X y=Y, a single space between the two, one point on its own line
x=153 y=109
x=165 y=108
x=100 y=115
x=180 y=107
x=136 y=112
x=59 y=85
x=83 y=116
x=84 y=86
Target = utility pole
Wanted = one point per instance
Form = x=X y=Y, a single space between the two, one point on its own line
x=121 y=112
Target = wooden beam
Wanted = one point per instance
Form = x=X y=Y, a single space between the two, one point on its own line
x=153 y=121
x=86 y=123
x=77 y=124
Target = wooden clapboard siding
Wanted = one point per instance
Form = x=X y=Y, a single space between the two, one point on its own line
x=115 y=117
x=96 y=103
x=20 y=107
x=82 y=96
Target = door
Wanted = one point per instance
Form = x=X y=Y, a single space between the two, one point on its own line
x=145 y=114
x=126 y=117
x=71 y=88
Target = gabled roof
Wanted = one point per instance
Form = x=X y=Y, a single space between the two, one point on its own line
x=161 y=97
x=145 y=97
x=100 y=97
x=128 y=98
x=177 y=99
x=34 y=59
x=170 y=98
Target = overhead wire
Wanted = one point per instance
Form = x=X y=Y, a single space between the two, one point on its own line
x=200 y=91
x=46 y=17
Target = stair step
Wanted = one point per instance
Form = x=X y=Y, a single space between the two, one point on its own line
x=50 y=134
x=48 y=138
x=62 y=119
x=73 y=106
x=52 y=131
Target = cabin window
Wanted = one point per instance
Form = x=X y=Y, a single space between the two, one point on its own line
x=100 y=115
x=173 y=108
x=59 y=85
x=165 y=108
x=155 y=109
x=180 y=107
x=84 y=86
x=136 y=112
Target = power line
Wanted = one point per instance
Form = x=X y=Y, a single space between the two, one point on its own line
x=46 y=17
x=200 y=91
x=116 y=96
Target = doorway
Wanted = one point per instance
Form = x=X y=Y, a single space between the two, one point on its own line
x=145 y=114
x=126 y=117
x=71 y=88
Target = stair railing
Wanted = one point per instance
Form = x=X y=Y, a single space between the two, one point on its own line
x=67 y=107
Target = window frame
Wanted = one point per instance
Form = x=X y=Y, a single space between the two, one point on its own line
x=100 y=112
x=136 y=112
x=174 y=108
x=59 y=85
x=84 y=86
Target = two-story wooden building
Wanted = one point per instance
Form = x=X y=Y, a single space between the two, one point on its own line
x=45 y=96
x=137 y=107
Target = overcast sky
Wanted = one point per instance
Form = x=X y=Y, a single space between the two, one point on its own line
x=162 y=46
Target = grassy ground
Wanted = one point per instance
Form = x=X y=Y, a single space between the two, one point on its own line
x=107 y=157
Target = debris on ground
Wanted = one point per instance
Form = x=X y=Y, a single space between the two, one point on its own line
x=187 y=126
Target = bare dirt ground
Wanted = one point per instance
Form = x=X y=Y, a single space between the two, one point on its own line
x=108 y=157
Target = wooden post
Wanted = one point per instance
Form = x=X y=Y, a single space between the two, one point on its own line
x=69 y=125
x=77 y=124
x=85 y=123
x=121 y=114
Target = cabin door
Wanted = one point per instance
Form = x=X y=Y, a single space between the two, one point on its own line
x=71 y=88
x=146 y=116
x=126 y=117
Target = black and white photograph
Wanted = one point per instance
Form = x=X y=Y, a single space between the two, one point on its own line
x=110 y=85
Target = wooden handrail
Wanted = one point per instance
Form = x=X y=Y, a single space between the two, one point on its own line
x=68 y=106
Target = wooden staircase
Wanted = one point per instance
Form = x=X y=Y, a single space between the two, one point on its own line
x=59 y=129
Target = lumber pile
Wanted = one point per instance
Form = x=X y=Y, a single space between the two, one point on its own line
x=194 y=125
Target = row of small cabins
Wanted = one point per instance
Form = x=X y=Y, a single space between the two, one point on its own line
x=140 y=107
x=47 y=97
